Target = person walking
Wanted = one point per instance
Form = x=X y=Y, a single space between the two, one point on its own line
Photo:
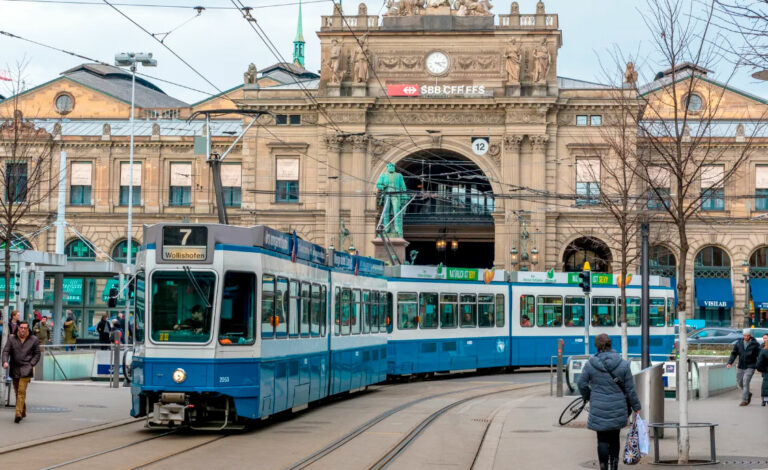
x=607 y=383
x=70 y=332
x=43 y=331
x=746 y=349
x=13 y=325
x=103 y=329
x=762 y=366
x=21 y=353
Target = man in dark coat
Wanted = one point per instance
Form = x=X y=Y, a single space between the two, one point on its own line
x=21 y=353
x=608 y=409
x=746 y=350
x=762 y=366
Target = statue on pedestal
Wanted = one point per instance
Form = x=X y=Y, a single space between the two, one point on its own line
x=472 y=7
x=361 y=61
x=630 y=75
x=512 y=63
x=541 y=59
x=250 y=77
x=334 y=63
x=393 y=190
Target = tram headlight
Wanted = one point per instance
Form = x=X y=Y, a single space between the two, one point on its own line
x=179 y=376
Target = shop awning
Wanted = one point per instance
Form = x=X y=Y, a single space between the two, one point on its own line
x=759 y=290
x=714 y=293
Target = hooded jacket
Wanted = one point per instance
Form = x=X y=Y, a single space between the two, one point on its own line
x=608 y=405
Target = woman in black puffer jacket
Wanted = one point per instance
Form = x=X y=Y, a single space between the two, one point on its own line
x=608 y=404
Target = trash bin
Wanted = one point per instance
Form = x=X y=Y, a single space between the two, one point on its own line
x=650 y=390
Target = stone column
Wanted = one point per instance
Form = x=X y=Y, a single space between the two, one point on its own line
x=334 y=145
x=510 y=171
x=510 y=165
x=538 y=218
x=357 y=202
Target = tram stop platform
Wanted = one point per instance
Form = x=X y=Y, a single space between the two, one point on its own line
x=529 y=436
x=60 y=409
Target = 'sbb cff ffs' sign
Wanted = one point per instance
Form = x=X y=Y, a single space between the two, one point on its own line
x=435 y=90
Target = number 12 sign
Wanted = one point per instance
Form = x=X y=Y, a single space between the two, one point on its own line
x=480 y=145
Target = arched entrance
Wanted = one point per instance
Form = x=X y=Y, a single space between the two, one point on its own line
x=662 y=262
x=588 y=249
x=713 y=293
x=451 y=222
x=758 y=288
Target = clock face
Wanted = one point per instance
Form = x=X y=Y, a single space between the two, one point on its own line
x=437 y=63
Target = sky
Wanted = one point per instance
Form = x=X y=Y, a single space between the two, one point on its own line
x=220 y=44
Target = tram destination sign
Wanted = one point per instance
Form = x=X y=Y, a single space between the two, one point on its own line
x=185 y=243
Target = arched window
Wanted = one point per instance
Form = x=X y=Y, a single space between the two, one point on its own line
x=758 y=263
x=712 y=262
x=662 y=261
x=19 y=243
x=588 y=249
x=120 y=251
x=77 y=249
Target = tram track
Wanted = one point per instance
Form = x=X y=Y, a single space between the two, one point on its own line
x=395 y=451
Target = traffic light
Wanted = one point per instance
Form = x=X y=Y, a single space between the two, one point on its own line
x=113 y=292
x=585 y=279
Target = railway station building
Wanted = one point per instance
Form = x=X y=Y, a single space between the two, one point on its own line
x=502 y=153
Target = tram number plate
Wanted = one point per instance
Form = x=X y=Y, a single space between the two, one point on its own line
x=182 y=243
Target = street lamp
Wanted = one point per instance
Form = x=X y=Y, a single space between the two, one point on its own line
x=745 y=273
x=534 y=257
x=513 y=256
x=130 y=59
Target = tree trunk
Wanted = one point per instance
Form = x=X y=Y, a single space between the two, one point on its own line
x=6 y=301
x=623 y=316
x=683 y=445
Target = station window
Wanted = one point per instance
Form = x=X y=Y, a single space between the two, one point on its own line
x=500 y=310
x=268 y=318
x=656 y=313
x=428 y=309
x=449 y=305
x=238 y=309
x=180 y=189
x=125 y=183
x=294 y=308
x=527 y=310
x=574 y=310
x=712 y=192
x=761 y=188
x=633 y=311
x=314 y=306
x=80 y=184
x=596 y=120
x=16 y=182
x=287 y=180
x=366 y=311
x=587 y=181
x=603 y=311
x=407 y=310
x=232 y=182
x=281 y=119
x=485 y=310
x=581 y=120
x=468 y=305
x=305 y=313
x=550 y=311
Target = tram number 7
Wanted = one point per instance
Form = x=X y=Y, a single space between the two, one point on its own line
x=187 y=232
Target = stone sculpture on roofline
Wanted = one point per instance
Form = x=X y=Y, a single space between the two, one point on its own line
x=438 y=7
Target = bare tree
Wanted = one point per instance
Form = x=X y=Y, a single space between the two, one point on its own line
x=683 y=161
x=26 y=175
x=748 y=19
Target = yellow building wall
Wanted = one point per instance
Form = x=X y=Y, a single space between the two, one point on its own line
x=719 y=103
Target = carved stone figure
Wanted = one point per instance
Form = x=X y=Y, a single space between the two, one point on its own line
x=541 y=60
x=250 y=76
x=512 y=62
x=362 y=10
x=361 y=61
x=334 y=63
x=540 y=8
x=438 y=3
x=472 y=7
x=404 y=7
x=393 y=195
x=630 y=74
x=514 y=9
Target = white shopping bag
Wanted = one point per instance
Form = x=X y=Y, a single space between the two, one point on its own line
x=644 y=441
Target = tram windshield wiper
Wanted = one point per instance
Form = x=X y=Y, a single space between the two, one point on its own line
x=197 y=287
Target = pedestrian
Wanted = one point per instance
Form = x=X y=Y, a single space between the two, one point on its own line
x=70 y=332
x=607 y=383
x=21 y=353
x=762 y=366
x=43 y=331
x=13 y=325
x=103 y=329
x=116 y=327
x=36 y=318
x=121 y=320
x=747 y=350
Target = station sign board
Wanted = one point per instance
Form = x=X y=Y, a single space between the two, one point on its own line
x=437 y=90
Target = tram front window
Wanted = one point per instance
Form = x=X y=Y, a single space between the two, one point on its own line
x=182 y=306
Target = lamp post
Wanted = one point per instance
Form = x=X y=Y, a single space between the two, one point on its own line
x=524 y=259
x=745 y=274
x=130 y=59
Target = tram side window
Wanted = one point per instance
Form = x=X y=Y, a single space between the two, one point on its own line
x=268 y=317
x=428 y=309
x=407 y=311
x=603 y=311
x=468 y=310
x=500 y=310
x=485 y=310
x=140 y=306
x=305 y=312
x=346 y=310
x=375 y=311
x=574 y=310
x=323 y=309
x=366 y=311
x=337 y=312
x=449 y=306
x=656 y=312
x=294 y=305
x=527 y=310
x=550 y=311
x=281 y=308
x=633 y=311
x=238 y=309
x=671 y=311
x=388 y=306
x=314 y=308
x=356 y=311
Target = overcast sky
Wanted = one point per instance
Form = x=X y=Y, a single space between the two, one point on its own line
x=220 y=44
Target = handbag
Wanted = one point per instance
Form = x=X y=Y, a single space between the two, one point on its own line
x=632 y=446
x=644 y=441
x=620 y=383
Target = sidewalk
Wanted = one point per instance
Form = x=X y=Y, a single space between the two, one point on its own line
x=530 y=437
x=63 y=407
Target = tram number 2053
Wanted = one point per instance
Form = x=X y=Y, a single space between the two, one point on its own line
x=223 y=380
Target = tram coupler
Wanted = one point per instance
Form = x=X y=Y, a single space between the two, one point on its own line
x=169 y=411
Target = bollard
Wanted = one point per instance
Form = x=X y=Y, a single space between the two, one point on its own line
x=560 y=344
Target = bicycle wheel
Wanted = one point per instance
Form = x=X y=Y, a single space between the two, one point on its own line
x=572 y=411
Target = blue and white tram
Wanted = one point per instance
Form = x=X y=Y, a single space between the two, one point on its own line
x=547 y=307
x=232 y=323
x=442 y=324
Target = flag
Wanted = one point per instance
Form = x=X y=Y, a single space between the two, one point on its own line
x=357 y=262
x=294 y=246
x=4 y=76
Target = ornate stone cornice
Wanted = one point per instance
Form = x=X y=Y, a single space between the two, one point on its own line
x=333 y=141
x=539 y=142
x=359 y=142
x=513 y=141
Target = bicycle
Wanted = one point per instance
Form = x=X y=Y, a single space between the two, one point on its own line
x=573 y=410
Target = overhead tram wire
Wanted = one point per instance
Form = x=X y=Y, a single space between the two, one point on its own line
x=159 y=5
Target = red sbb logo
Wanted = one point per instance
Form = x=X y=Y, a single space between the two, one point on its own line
x=402 y=90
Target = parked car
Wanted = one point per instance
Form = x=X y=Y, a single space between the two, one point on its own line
x=758 y=333
x=715 y=336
